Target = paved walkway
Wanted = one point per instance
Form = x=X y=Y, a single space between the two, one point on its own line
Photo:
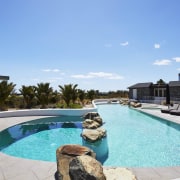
x=12 y=168
x=155 y=111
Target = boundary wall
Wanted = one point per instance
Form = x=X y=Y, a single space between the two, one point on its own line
x=55 y=112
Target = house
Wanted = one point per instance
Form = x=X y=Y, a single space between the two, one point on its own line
x=156 y=93
x=174 y=90
x=4 y=77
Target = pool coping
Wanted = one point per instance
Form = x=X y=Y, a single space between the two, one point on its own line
x=19 y=168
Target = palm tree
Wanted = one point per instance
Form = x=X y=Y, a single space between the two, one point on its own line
x=28 y=93
x=81 y=95
x=69 y=92
x=43 y=93
x=74 y=93
x=5 y=90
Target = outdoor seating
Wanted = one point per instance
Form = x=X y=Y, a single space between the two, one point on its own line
x=176 y=112
x=170 y=108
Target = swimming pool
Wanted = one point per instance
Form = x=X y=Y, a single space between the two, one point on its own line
x=139 y=140
x=134 y=139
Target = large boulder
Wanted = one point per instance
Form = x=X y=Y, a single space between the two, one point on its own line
x=64 y=156
x=92 y=120
x=93 y=135
x=90 y=124
x=86 y=168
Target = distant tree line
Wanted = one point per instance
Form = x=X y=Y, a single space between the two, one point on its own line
x=43 y=96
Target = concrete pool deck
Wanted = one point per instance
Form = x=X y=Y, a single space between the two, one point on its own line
x=13 y=168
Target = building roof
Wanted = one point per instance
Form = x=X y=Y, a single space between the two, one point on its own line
x=174 y=83
x=159 y=85
x=141 y=85
x=4 y=77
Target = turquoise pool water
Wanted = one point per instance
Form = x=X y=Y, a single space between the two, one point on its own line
x=139 y=140
x=39 y=139
x=43 y=145
x=133 y=138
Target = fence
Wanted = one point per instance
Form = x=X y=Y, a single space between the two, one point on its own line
x=153 y=100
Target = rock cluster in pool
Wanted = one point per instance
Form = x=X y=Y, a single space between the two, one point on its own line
x=80 y=162
x=92 y=130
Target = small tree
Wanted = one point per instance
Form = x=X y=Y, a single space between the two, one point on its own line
x=55 y=97
x=91 y=94
x=161 y=82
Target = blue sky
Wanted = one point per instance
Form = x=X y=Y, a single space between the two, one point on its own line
x=105 y=45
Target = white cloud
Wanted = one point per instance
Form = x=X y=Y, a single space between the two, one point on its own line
x=108 y=45
x=99 y=74
x=92 y=75
x=157 y=46
x=162 y=62
x=178 y=69
x=55 y=70
x=177 y=59
x=124 y=43
x=81 y=76
x=51 y=70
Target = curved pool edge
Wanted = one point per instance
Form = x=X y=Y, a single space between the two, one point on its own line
x=53 y=111
x=47 y=112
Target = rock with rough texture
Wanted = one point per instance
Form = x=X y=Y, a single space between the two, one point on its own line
x=91 y=115
x=65 y=154
x=86 y=168
x=93 y=135
x=135 y=104
x=98 y=119
x=90 y=124
x=118 y=174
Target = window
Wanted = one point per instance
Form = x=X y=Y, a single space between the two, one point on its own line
x=155 y=92
x=160 y=92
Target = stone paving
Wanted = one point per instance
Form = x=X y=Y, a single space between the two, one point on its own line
x=13 y=168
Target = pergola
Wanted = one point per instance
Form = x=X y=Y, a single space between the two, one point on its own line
x=4 y=77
